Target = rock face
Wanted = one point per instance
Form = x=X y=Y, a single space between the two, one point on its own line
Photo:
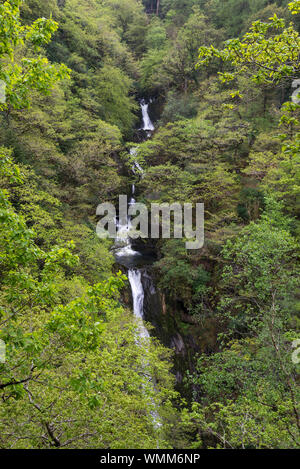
x=178 y=344
x=165 y=323
x=176 y=329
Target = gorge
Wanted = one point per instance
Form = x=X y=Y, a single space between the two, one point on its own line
x=143 y=343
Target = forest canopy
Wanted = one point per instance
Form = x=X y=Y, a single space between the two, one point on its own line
x=222 y=85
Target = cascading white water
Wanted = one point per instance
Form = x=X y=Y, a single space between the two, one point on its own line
x=147 y=124
x=125 y=250
x=136 y=166
x=126 y=255
x=123 y=238
x=135 y=279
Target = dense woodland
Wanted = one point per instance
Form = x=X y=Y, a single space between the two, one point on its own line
x=227 y=134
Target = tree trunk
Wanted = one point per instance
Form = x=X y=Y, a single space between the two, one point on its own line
x=157 y=7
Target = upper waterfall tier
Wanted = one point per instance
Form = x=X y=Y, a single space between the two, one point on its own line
x=147 y=124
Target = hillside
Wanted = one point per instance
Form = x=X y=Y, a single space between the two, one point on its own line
x=141 y=343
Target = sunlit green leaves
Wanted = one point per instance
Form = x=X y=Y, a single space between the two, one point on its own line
x=31 y=72
x=269 y=53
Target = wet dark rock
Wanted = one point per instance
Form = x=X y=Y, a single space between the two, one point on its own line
x=178 y=344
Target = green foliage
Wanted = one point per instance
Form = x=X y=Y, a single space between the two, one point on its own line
x=278 y=169
x=177 y=273
x=32 y=71
x=182 y=58
x=108 y=97
x=268 y=53
x=232 y=156
x=75 y=375
x=233 y=15
x=179 y=107
x=251 y=203
x=294 y=7
x=55 y=343
x=170 y=61
x=251 y=383
x=265 y=262
x=153 y=59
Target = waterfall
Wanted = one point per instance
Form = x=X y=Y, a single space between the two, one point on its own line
x=136 y=166
x=135 y=279
x=127 y=256
x=147 y=124
x=124 y=253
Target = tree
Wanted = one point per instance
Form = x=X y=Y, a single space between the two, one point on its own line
x=248 y=393
x=74 y=374
x=108 y=97
x=31 y=72
x=267 y=54
x=182 y=57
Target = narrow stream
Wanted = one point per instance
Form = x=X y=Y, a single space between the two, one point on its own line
x=125 y=254
x=132 y=259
